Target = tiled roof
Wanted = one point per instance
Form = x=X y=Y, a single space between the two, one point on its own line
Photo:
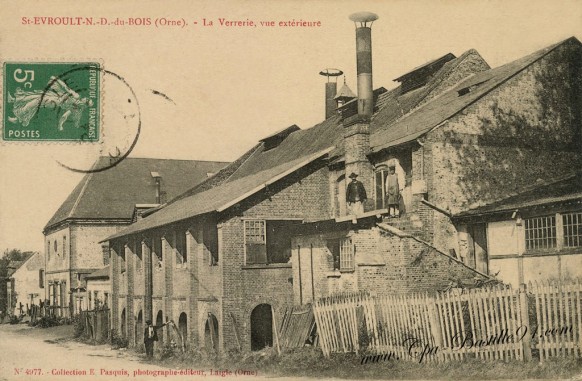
x=113 y=193
x=564 y=190
x=448 y=104
x=99 y=274
x=399 y=120
x=218 y=198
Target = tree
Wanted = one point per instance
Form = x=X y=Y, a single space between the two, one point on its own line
x=7 y=257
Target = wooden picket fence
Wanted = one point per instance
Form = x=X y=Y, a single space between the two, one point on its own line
x=558 y=321
x=488 y=323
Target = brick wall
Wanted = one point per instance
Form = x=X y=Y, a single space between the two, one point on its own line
x=385 y=263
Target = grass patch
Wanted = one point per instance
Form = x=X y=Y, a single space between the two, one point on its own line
x=310 y=362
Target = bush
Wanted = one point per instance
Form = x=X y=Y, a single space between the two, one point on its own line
x=169 y=350
x=79 y=326
x=14 y=319
x=118 y=341
x=48 y=321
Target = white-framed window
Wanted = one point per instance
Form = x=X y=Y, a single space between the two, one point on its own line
x=572 y=223
x=540 y=233
x=268 y=241
x=555 y=232
x=255 y=241
x=347 y=252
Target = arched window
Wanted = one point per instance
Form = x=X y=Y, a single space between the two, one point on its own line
x=183 y=326
x=123 y=325
x=139 y=328
x=211 y=333
x=159 y=322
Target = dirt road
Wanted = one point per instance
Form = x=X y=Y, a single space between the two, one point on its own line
x=28 y=354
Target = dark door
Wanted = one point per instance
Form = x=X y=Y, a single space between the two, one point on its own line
x=261 y=327
x=478 y=258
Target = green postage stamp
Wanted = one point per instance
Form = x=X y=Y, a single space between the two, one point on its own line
x=48 y=101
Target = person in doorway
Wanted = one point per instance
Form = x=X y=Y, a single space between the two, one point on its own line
x=356 y=195
x=150 y=335
x=392 y=193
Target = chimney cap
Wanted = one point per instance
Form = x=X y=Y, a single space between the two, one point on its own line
x=363 y=17
x=331 y=72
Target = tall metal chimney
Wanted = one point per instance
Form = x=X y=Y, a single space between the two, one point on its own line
x=330 y=90
x=364 y=21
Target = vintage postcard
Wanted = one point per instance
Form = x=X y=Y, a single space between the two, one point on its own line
x=296 y=189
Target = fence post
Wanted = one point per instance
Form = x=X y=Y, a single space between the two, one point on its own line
x=523 y=306
x=435 y=323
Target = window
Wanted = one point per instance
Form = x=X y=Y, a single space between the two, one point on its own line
x=64 y=246
x=268 y=241
x=380 y=187
x=540 y=233
x=56 y=248
x=572 y=223
x=41 y=278
x=334 y=247
x=255 y=242
x=210 y=239
x=138 y=255
x=121 y=253
x=48 y=250
x=158 y=256
x=346 y=254
x=181 y=248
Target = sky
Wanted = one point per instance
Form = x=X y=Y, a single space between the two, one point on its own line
x=231 y=86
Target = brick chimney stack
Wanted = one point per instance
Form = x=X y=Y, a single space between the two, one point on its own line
x=330 y=90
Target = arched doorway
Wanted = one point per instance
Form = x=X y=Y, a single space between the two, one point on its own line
x=139 y=329
x=123 y=325
x=183 y=327
x=211 y=333
x=159 y=322
x=261 y=327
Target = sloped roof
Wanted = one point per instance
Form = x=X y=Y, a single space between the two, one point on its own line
x=397 y=121
x=564 y=190
x=113 y=193
x=448 y=104
x=218 y=198
x=13 y=266
x=99 y=274
x=345 y=92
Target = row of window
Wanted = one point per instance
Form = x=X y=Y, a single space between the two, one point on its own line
x=265 y=242
x=179 y=247
x=562 y=230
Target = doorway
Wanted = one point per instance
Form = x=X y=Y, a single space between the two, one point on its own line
x=261 y=327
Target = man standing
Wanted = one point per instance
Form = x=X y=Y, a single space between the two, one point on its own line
x=150 y=335
x=392 y=193
x=356 y=195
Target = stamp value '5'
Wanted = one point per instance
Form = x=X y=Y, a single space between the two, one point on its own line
x=51 y=101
